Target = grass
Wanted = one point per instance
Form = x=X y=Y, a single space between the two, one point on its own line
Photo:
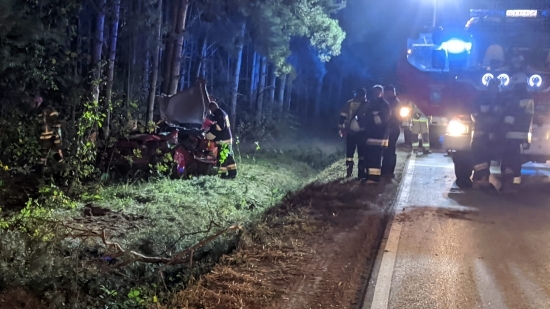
x=157 y=218
x=173 y=208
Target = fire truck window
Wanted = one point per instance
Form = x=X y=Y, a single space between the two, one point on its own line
x=494 y=56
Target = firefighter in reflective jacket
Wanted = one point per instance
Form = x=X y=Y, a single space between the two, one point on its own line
x=420 y=126
x=221 y=134
x=373 y=118
x=517 y=121
x=50 y=132
x=348 y=125
x=484 y=143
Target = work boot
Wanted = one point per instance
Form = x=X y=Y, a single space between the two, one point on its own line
x=482 y=183
x=464 y=183
x=426 y=151
x=232 y=174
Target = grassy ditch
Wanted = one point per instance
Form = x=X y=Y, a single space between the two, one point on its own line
x=129 y=245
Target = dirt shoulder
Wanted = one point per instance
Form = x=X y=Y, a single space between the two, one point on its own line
x=314 y=250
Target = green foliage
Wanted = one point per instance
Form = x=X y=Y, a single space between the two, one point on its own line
x=19 y=140
x=81 y=164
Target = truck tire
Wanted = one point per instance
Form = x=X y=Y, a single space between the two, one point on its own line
x=463 y=168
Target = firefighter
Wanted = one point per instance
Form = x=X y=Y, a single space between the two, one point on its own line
x=50 y=132
x=420 y=126
x=348 y=125
x=221 y=134
x=373 y=118
x=517 y=120
x=484 y=144
x=389 y=156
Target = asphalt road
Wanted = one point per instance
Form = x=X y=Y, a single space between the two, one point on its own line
x=449 y=248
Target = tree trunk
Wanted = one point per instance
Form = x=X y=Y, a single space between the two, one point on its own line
x=178 y=47
x=281 y=95
x=96 y=55
x=261 y=88
x=253 y=81
x=340 y=86
x=256 y=77
x=318 y=91
x=155 y=71
x=111 y=70
x=272 y=85
x=288 y=94
x=169 y=50
x=202 y=58
x=237 y=75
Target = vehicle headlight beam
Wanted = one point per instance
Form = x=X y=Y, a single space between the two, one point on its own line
x=487 y=77
x=535 y=80
x=456 y=128
x=504 y=79
x=404 y=112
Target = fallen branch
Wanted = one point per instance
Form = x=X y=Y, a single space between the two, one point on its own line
x=179 y=258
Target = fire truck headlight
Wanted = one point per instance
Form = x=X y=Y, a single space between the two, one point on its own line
x=456 y=128
x=535 y=81
x=504 y=79
x=486 y=79
x=404 y=112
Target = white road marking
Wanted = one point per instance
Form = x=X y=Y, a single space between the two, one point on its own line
x=487 y=288
x=384 y=279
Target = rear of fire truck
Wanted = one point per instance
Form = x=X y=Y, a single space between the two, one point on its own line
x=444 y=71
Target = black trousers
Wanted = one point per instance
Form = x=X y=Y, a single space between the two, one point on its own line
x=463 y=168
x=511 y=158
x=353 y=141
x=389 y=160
x=481 y=156
x=373 y=161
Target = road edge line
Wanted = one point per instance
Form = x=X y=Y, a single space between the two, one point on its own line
x=383 y=281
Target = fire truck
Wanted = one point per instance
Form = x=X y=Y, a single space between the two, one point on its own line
x=444 y=70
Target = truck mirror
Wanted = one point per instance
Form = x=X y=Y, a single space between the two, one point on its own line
x=439 y=59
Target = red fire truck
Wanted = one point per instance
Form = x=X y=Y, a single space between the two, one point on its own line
x=444 y=71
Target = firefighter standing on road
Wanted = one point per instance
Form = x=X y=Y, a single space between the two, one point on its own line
x=389 y=156
x=486 y=118
x=420 y=126
x=50 y=132
x=348 y=125
x=373 y=118
x=221 y=134
x=518 y=118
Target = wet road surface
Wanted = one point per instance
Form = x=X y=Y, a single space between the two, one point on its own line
x=449 y=248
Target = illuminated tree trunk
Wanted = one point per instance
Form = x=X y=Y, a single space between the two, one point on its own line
x=261 y=89
x=178 y=46
x=96 y=54
x=281 y=94
x=155 y=71
x=111 y=69
x=237 y=75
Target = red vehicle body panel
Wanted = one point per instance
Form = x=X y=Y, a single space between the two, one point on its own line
x=422 y=88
